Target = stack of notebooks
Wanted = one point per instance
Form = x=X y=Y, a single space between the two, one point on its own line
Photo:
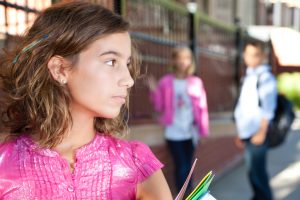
x=201 y=191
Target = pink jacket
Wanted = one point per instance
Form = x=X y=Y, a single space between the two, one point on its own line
x=106 y=168
x=162 y=99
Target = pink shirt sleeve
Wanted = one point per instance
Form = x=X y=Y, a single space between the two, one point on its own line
x=197 y=91
x=156 y=98
x=145 y=160
x=9 y=180
x=204 y=112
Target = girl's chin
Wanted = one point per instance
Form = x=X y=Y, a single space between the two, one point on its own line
x=108 y=115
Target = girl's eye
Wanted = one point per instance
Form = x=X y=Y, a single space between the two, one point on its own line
x=111 y=62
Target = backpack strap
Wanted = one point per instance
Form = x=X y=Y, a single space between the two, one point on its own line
x=238 y=92
x=257 y=86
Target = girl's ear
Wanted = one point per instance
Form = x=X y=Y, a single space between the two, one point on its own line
x=58 y=70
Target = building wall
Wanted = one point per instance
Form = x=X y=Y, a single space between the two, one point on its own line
x=222 y=10
x=246 y=11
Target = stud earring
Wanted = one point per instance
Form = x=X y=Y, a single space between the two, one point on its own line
x=63 y=81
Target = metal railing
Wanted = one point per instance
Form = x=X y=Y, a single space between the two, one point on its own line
x=159 y=25
x=156 y=27
x=216 y=59
x=16 y=17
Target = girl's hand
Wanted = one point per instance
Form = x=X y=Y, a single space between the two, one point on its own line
x=151 y=82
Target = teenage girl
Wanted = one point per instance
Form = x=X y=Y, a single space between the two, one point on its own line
x=66 y=89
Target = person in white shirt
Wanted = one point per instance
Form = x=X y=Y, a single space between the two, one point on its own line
x=253 y=114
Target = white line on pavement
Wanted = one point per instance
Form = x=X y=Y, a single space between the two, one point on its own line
x=286 y=181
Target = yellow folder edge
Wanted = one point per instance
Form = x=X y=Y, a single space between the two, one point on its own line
x=201 y=182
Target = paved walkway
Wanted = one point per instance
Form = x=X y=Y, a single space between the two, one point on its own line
x=283 y=167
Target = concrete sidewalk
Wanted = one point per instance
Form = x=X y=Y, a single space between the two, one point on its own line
x=221 y=125
x=283 y=167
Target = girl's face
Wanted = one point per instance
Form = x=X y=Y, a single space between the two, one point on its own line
x=100 y=79
x=183 y=61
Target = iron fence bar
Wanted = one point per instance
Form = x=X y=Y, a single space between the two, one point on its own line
x=215 y=23
x=119 y=7
x=11 y=5
x=154 y=39
x=193 y=39
x=238 y=46
x=6 y=24
x=172 y=6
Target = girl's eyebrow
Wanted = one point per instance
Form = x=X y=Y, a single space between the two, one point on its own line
x=114 y=53
x=111 y=52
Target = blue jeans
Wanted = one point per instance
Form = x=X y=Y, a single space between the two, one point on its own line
x=255 y=156
x=182 y=153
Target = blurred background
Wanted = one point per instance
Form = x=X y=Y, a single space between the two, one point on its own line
x=215 y=30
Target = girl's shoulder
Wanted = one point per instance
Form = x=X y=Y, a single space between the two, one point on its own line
x=7 y=148
x=135 y=148
x=166 y=79
x=8 y=152
x=140 y=154
x=194 y=79
x=8 y=165
x=195 y=83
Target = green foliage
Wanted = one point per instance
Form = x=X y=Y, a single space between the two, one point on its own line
x=289 y=85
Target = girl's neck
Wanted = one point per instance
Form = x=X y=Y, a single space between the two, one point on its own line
x=81 y=133
x=180 y=75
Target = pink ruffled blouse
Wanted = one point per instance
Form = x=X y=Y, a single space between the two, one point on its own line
x=106 y=168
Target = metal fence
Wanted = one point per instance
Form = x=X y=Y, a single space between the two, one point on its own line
x=216 y=51
x=16 y=17
x=156 y=27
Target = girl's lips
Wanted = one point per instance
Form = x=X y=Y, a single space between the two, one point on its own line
x=120 y=99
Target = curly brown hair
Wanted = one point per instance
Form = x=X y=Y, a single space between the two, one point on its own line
x=32 y=101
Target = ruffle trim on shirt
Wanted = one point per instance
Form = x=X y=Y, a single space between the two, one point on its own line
x=145 y=160
x=98 y=141
x=25 y=141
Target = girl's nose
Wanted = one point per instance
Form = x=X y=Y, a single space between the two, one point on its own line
x=126 y=79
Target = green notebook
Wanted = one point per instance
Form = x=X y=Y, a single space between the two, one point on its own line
x=202 y=188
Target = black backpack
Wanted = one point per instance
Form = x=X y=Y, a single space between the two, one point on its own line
x=282 y=121
x=281 y=124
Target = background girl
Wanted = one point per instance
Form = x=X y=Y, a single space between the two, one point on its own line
x=181 y=100
x=65 y=91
